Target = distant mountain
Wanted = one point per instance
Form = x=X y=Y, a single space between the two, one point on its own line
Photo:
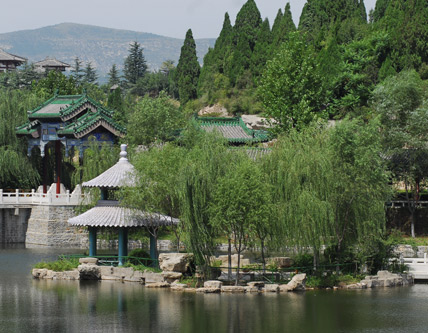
x=101 y=46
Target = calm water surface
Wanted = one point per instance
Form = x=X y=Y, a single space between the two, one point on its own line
x=28 y=305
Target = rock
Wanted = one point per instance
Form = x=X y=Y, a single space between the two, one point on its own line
x=150 y=277
x=250 y=289
x=225 y=261
x=421 y=251
x=89 y=272
x=208 y=290
x=39 y=273
x=387 y=279
x=213 y=284
x=256 y=284
x=356 y=286
x=404 y=251
x=271 y=288
x=171 y=276
x=298 y=282
x=281 y=262
x=158 y=285
x=215 y=110
x=71 y=275
x=285 y=288
x=88 y=261
x=232 y=289
x=175 y=262
x=178 y=286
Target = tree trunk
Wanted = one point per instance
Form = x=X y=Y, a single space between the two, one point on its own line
x=239 y=265
x=262 y=244
x=316 y=259
x=229 y=259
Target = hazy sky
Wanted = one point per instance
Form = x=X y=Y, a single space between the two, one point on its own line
x=163 y=17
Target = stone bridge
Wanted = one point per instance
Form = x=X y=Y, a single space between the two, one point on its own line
x=38 y=218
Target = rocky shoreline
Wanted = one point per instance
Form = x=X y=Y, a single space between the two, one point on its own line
x=174 y=266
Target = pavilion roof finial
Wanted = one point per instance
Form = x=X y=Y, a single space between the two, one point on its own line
x=123 y=152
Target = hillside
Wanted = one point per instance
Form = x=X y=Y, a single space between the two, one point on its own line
x=101 y=46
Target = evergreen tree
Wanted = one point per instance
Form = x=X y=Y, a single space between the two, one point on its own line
x=406 y=23
x=76 y=71
x=188 y=70
x=135 y=66
x=282 y=26
x=113 y=76
x=90 y=74
x=261 y=52
x=245 y=33
x=217 y=60
x=320 y=17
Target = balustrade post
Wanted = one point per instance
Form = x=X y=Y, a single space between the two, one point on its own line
x=425 y=258
x=33 y=191
x=50 y=197
x=1 y=196
x=68 y=196
x=17 y=195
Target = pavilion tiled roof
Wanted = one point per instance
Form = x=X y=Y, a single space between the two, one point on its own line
x=233 y=129
x=116 y=216
x=10 y=57
x=50 y=62
x=119 y=175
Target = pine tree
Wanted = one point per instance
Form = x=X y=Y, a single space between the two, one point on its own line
x=261 y=53
x=245 y=32
x=188 y=70
x=135 y=66
x=90 y=74
x=77 y=71
x=113 y=76
x=282 y=26
x=320 y=17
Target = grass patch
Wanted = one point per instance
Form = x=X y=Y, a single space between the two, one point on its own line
x=60 y=265
x=190 y=281
x=143 y=268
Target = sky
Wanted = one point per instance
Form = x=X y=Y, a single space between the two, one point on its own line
x=170 y=18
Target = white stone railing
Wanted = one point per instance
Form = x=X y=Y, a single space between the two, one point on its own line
x=37 y=198
x=418 y=266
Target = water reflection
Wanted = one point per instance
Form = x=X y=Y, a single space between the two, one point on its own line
x=69 y=306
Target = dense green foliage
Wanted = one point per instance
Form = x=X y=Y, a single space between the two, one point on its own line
x=60 y=265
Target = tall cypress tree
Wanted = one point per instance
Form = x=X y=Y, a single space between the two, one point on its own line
x=245 y=33
x=188 y=70
x=282 y=26
x=320 y=17
x=135 y=64
x=407 y=26
x=261 y=52
x=77 y=71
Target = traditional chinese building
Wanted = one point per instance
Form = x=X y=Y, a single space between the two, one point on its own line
x=49 y=64
x=233 y=129
x=68 y=122
x=9 y=62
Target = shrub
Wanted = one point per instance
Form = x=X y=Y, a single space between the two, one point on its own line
x=139 y=257
x=60 y=265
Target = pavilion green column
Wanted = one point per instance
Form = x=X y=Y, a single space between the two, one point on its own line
x=123 y=245
x=153 y=249
x=92 y=241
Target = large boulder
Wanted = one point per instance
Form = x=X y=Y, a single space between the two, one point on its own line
x=298 y=282
x=281 y=262
x=89 y=272
x=213 y=284
x=175 y=262
x=387 y=279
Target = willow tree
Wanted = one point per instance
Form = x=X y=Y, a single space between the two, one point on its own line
x=300 y=171
x=206 y=162
x=241 y=204
x=15 y=170
x=329 y=187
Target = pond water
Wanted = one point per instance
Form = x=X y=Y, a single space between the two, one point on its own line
x=28 y=305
